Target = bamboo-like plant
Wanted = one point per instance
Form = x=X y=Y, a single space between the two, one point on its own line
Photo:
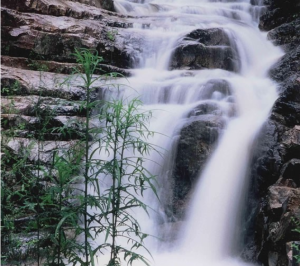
x=123 y=133
x=126 y=136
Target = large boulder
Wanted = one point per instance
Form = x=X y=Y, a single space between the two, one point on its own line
x=200 y=49
x=196 y=141
x=195 y=144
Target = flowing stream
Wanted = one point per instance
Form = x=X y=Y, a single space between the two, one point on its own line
x=210 y=233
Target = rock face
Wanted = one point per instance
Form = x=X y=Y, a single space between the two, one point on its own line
x=105 y=4
x=47 y=37
x=195 y=144
x=274 y=199
x=201 y=49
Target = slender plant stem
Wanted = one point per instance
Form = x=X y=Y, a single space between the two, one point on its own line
x=86 y=181
x=60 y=205
x=38 y=191
x=114 y=200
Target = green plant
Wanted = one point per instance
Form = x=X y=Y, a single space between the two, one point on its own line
x=55 y=211
x=125 y=136
x=296 y=245
x=11 y=90
x=18 y=186
x=34 y=62
x=17 y=183
x=111 y=35
x=22 y=179
x=296 y=248
x=38 y=66
x=57 y=207
x=124 y=130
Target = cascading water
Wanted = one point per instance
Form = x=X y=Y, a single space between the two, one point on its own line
x=209 y=235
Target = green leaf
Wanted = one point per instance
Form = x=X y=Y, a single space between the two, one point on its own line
x=107 y=233
x=61 y=222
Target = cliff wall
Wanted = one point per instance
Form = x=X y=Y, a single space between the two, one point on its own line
x=274 y=198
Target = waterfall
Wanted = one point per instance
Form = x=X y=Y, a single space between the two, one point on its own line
x=172 y=88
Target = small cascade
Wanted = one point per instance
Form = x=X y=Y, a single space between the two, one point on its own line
x=202 y=63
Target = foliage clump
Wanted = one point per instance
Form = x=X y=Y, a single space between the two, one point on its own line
x=65 y=203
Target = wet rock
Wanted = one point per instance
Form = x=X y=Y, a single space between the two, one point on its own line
x=195 y=56
x=44 y=37
x=272 y=19
x=23 y=145
x=48 y=127
x=273 y=258
x=275 y=161
x=195 y=144
x=214 y=108
x=107 y=4
x=267 y=160
x=279 y=12
x=38 y=65
x=27 y=105
x=26 y=82
x=284 y=230
x=57 y=67
x=209 y=37
x=291 y=171
x=277 y=196
x=16 y=81
x=276 y=233
x=77 y=9
x=265 y=167
x=205 y=108
x=21 y=5
x=286 y=109
x=288 y=66
x=286 y=35
x=215 y=87
x=202 y=49
x=275 y=147
x=291 y=143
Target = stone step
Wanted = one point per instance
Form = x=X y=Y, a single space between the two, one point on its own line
x=50 y=38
